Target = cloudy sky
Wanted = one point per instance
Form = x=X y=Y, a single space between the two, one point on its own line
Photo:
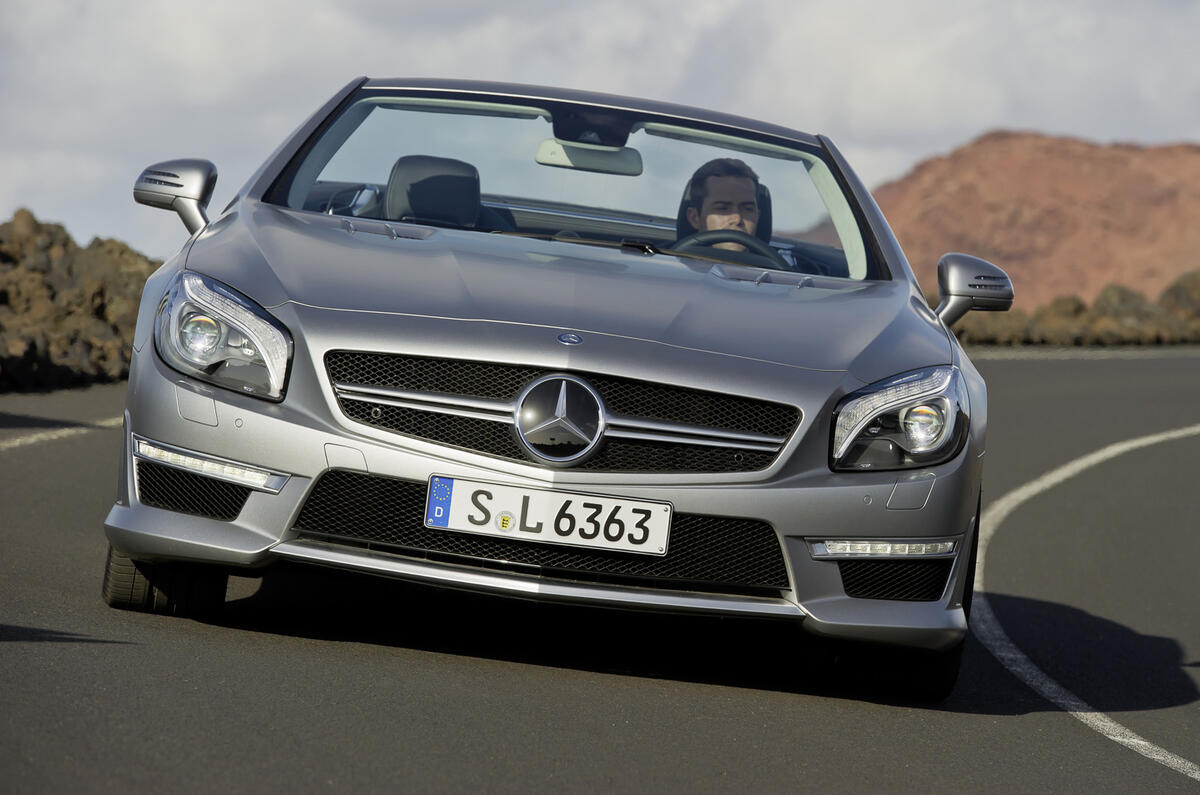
x=93 y=90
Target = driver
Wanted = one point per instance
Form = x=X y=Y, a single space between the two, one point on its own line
x=723 y=194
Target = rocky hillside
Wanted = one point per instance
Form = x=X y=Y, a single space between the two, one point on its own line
x=1062 y=216
x=66 y=313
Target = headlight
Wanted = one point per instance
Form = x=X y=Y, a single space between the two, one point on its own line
x=915 y=419
x=214 y=333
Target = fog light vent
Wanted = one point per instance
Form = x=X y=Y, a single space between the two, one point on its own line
x=162 y=486
x=902 y=580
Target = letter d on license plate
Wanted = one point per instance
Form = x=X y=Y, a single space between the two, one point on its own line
x=549 y=517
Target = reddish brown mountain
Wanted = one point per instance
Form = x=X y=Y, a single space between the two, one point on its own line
x=1062 y=216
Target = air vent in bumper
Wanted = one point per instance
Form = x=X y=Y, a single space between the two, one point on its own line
x=902 y=580
x=711 y=554
x=162 y=486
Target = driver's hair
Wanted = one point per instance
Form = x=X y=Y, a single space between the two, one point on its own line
x=721 y=167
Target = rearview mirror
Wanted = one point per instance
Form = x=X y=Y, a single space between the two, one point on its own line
x=184 y=186
x=623 y=160
x=966 y=283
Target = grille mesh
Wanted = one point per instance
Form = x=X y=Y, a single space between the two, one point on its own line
x=505 y=381
x=496 y=438
x=625 y=455
x=710 y=553
x=422 y=374
x=493 y=438
x=161 y=486
x=903 y=580
x=622 y=396
x=693 y=406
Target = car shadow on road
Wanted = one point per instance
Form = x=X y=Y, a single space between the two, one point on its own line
x=1110 y=666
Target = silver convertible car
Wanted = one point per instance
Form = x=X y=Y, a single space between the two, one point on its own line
x=556 y=345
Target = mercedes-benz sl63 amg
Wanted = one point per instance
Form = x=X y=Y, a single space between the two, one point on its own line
x=561 y=346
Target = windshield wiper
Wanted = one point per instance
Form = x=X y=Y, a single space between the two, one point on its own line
x=637 y=246
x=646 y=247
x=586 y=241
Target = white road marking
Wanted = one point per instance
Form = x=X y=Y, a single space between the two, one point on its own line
x=986 y=627
x=58 y=433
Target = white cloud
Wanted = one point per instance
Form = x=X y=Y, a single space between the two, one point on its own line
x=94 y=91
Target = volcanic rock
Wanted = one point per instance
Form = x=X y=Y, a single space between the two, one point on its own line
x=67 y=314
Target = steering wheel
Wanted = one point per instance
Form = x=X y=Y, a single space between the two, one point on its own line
x=751 y=242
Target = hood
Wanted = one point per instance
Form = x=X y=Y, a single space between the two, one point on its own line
x=274 y=255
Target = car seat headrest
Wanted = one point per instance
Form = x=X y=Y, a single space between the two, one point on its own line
x=433 y=189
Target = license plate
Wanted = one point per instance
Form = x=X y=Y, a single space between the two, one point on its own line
x=551 y=517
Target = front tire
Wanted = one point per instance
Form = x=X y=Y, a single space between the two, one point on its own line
x=935 y=673
x=173 y=589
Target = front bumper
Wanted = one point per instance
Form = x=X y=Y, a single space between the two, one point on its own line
x=802 y=506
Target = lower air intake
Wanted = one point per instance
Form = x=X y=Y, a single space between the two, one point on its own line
x=172 y=489
x=902 y=580
x=714 y=554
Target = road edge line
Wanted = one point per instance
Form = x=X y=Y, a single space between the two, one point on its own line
x=986 y=626
x=59 y=433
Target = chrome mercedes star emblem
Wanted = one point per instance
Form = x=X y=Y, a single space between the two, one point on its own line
x=559 y=420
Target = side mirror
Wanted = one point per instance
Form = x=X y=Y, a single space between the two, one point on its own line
x=966 y=283
x=184 y=186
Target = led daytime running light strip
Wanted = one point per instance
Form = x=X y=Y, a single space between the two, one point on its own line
x=881 y=548
x=249 y=476
x=855 y=416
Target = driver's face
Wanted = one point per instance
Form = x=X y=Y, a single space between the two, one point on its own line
x=729 y=203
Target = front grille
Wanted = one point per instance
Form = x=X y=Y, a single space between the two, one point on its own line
x=495 y=438
x=705 y=553
x=503 y=383
x=903 y=580
x=162 y=486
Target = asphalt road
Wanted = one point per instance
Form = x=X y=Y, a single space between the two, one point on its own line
x=319 y=681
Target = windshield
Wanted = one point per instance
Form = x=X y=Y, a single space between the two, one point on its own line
x=579 y=173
